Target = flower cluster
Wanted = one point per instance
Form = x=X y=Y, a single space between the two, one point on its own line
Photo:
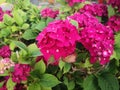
x=96 y=38
x=5 y=64
x=5 y=52
x=114 y=23
x=48 y=12
x=2 y=14
x=115 y=3
x=72 y=2
x=84 y=20
x=21 y=72
x=95 y=9
x=58 y=39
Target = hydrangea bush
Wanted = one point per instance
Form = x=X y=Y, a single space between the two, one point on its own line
x=72 y=47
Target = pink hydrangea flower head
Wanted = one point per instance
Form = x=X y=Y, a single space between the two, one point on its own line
x=5 y=64
x=5 y=52
x=58 y=39
x=48 y=12
x=84 y=20
x=114 y=23
x=21 y=72
x=95 y=37
x=72 y=2
x=95 y=9
x=2 y=14
x=99 y=42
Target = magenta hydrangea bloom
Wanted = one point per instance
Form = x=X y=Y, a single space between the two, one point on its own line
x=21 y=72
x=84 y=20
x=5 y=52
x=2 y=14
x=95 y=37
x=114 y=23
x=95 y=9
x=72 y=2
x=115 y=3
x=99 y=41
x=48 y=12
x=58 y=39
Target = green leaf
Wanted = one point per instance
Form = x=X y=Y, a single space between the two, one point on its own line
x=90 y=83
x=10 y=84
x=35 y=74
x=2 y=25
x=67 y=67
x=25 y=26
x=17 y=17
x=59 y=74
x=33 y=50
x=117 y=45
x=48 y=80
x=40 y=25
x=113 y=56
x=12 y=46
x=61 y=64
x=117 y=51
x=87 y=63
x=111 y=67
x=81 y=5
x=34 y=86
x=111 y=11
x=29 y=34
x=75 y=23
x=67 y=8
x=14 y=56
x=45 y=88
x=65 y=81
x=40 y=66
x=21 y=45
x=70 y=84
x=107 y=81
x=23 y=57
x=8 y=20
x=49 y=20
x=14 y=28
x=5 y=32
